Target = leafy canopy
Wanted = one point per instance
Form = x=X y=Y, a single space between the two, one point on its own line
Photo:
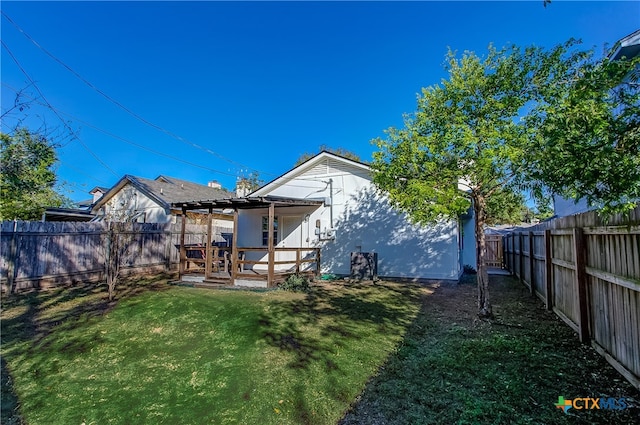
x=587 y=143
x=27 y=178
x=465 y=141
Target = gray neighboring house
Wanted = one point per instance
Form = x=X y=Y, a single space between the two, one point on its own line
x=149 y=201
x=626 y=48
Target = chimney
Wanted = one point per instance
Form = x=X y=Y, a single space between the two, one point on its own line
x=214 y=184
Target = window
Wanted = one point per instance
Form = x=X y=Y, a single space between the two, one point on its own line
x=265 y=230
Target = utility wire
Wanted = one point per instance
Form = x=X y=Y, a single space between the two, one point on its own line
x=122 y=139
x=44 y=99
x=120 y=105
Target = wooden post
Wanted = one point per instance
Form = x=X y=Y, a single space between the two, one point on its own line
x=521 y=257
x=581 y=281
x=183 y=251
x=11 y=263
x=208 y=259
x=513 y=254
x=234 y=248
x=298 y=253
x=548 y=268
x=270 y=246
x=531 y=264
x=167 y=247
x=318 y=251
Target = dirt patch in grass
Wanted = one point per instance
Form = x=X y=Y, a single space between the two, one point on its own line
x=453 y=368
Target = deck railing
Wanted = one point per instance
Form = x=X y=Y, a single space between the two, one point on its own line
x=225 y=268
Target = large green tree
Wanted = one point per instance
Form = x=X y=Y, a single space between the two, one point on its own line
x=465 y=146
x=27 y=176
x=587 y=128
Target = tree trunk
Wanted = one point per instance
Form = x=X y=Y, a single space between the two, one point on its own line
x=112 y=260
x=484 y=304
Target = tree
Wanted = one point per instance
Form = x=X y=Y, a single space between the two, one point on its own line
x=587 y=142
x=119 y=238
x=27 y=177
x=466 y=144
x=338 y=151
x=247 y=184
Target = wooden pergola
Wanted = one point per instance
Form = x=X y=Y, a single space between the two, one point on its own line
x=212 y=270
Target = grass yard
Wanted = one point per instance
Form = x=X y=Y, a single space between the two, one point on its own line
x=357 y=354
x=193 y=356
x=454 y=369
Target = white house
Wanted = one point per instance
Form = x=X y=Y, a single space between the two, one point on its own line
x=329 y=206
x=149 y=201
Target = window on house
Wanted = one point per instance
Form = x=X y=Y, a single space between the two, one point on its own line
x=265 y=230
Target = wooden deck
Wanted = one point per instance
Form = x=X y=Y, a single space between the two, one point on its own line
x=246 y=278
x=225 y=269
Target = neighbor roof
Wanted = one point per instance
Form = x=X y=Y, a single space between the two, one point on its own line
x=166 y=190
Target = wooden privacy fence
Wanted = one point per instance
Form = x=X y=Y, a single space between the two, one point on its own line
x=35 y=254
x=588 y=273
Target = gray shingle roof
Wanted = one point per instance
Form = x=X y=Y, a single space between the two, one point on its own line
x=166 y=190
x=170 y=190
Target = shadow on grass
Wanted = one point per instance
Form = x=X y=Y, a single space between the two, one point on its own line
x=337 y=314
x=453 y=368
x=31 y=317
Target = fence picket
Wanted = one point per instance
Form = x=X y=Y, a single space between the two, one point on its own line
x=35 y=254
x=591 y=279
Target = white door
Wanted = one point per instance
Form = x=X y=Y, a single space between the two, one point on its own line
x=290 y=237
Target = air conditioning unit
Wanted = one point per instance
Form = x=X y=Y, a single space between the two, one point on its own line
x=364 y=265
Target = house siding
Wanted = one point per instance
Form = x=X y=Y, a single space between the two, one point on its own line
x=363 y=220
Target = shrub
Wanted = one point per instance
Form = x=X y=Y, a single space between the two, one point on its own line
x=469 y=269
x=295 y=282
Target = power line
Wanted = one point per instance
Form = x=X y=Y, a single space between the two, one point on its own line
x=121 y=106
x=122 y=139
x=67 y=126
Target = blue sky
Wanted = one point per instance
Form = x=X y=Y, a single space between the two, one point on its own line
x=231 y=87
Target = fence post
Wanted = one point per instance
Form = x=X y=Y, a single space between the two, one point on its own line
x=167 y=247
x=11 y=261
x=581 y=281
x=521 y=256
x=548 y=266
x=183 y=253
x=513 y=254
x=531 y=265
x=208 y=259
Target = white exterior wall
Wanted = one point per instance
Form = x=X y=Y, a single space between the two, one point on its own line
x=469 y=244
x=129 y=200
x=363 y=221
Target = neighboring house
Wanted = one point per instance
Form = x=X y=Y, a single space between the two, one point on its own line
x=329 y=202
x=625 y=48
x=149 y=201
x=81 y=212
x=67 y=214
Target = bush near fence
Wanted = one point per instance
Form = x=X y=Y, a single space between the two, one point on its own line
x=586 y=268
x=39 y=255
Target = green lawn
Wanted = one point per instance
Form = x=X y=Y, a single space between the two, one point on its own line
x=193 y=356
x=452 y=368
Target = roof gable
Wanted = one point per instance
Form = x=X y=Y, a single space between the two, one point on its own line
x=165 y=190
x=323 y=164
